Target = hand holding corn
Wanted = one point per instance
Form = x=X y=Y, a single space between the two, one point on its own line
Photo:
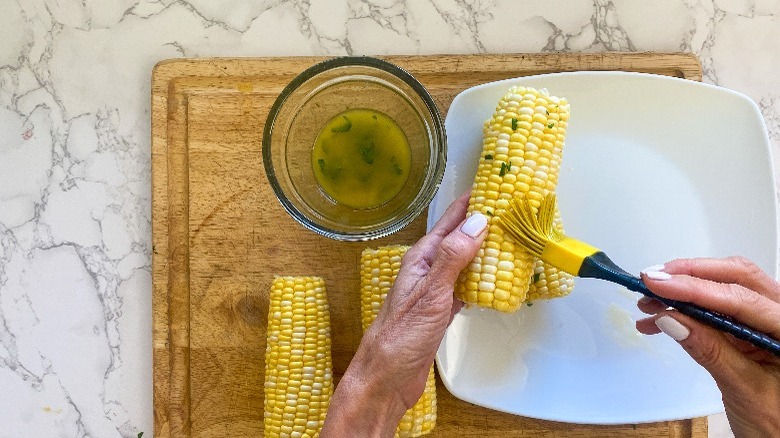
x=389 y=372
x=379 y=269
x=748 y=377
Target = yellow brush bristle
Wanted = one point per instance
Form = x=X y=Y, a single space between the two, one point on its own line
x=298 y=370
x=536 y=232
x=549 y=282
x=378 y=269
x=521 y=157
x=531 y=229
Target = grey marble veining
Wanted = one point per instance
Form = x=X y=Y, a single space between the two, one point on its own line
x=75 y=208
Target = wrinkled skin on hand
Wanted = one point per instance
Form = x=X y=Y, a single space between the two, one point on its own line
x=390 y=368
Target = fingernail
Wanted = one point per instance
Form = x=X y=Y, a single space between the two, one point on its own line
x=653 y=272
x=657 y=275
x=645 y=300
x=673 y=328
x=475 y=224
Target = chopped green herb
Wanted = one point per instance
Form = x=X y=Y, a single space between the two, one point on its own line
x=329 y=171
x=140 y=434
x=536 y=278
x=489 y=213
x=508 y=165
x=488 y=157
x=551 y=125
x=514 y=124
x=373 y=116
x=503 y=170
x=367 y=151
x=343 y=127
x=396 y=168
x=529 y=304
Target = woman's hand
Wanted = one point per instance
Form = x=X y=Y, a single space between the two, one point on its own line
x=388 y=373
x=748 y=377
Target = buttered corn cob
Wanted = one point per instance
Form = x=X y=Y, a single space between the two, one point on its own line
x=521 y=157
x=378 y=270
x=298 y=379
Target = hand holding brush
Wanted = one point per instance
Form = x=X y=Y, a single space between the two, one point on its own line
x=537 y=234
x=747 y=376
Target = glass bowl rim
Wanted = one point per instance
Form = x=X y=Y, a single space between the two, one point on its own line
x=438 y=134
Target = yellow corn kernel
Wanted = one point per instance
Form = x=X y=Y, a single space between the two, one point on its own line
x=378 y=269
x=521 y=156
x=298 y=369
x=549 y=282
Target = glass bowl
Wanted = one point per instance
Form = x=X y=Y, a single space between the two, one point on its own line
x=316 y=96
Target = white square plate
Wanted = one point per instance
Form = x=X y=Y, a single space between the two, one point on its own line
x=654 y=168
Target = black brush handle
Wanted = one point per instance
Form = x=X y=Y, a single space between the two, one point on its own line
x=600 y=266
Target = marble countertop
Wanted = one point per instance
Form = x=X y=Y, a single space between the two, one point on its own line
x=75 y=195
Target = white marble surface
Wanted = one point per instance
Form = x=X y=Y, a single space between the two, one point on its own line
x=75 y=209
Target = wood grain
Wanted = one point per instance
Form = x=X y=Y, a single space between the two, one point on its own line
x=220 y=236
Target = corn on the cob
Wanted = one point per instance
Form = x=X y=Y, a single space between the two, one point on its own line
x=298 y=375
x=521 y=156
x=378 y=270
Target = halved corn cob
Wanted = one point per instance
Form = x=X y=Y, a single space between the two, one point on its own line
x=521 y=156
x=378 y=270
x=298 y=370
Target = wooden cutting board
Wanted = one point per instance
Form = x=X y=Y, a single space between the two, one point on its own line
x=220 y=236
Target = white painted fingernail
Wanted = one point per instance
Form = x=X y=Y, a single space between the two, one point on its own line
x=673 y=328
x=655 y=268
x=657 y=275
x=475 y=224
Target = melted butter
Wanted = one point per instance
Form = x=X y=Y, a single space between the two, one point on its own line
x=623 y=326
x=361 y=158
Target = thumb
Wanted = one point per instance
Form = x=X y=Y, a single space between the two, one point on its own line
x=457 y=249
x=707 y=346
